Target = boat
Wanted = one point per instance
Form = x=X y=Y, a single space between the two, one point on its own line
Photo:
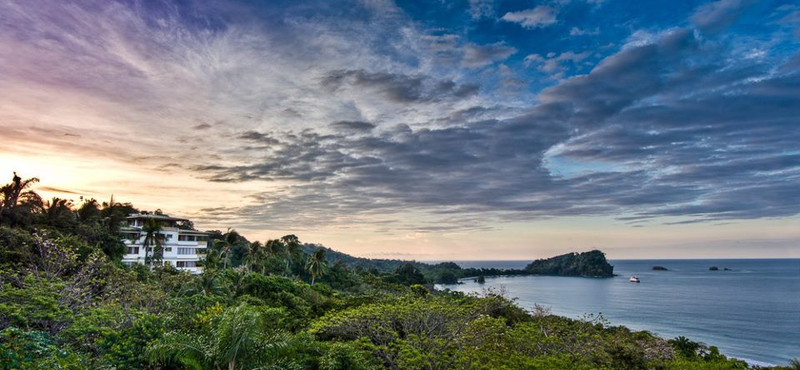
x=634 y=279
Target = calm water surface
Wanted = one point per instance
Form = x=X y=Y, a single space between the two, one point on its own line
x=751 y=312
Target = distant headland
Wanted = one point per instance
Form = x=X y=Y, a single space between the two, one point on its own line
x=586 y=264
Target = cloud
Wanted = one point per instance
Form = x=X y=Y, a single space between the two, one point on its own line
x=644 y=134
x=715 y=16
x=481 y=8
x=790 y=17
x=441 y=43
x=481 y=55
x=333 y=119
x=575 y=31
x=621 y=79
x=555 y=65
x=259 y=137
x=540 y=16
x=399 y=88
x=57 y=190
x=353 y=126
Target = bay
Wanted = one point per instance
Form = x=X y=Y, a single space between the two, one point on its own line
x=751 y=312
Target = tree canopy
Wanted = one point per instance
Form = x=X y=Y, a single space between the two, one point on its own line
x=66 y=302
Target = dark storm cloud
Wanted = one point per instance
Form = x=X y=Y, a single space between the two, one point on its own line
x=399 y=88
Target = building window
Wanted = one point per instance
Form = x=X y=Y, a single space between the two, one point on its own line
x=185 y=250
x=191 y=238
x=133 y=250
x=185 y=264
x=168 y=249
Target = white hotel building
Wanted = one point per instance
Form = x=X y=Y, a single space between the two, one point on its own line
x=183 y=246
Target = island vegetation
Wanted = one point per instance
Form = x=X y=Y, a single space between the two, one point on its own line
x=68 y=303
x=586 y=264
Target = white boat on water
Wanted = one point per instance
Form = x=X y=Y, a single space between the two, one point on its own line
x=634 y=279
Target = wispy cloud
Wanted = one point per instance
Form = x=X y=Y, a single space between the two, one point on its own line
x=370 y=117
x=540 y=16
x=481 y=55
x=575 y=31
x=715 y=16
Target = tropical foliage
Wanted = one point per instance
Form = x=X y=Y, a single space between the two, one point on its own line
x=66 y=302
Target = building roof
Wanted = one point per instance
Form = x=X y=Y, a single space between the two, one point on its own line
x=162 y=217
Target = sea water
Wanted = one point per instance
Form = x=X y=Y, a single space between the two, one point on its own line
x=751 y=312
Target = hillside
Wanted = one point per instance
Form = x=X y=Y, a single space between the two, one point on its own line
x=587 y=264
x=334 y=256
x=439 y=273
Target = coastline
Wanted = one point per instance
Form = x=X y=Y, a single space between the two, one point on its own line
x=735 y=318
x=751 y=362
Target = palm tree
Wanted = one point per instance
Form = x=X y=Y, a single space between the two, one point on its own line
x=239 y=339
x=229 y=240
x=113 y=213
x=291 y=249
x=685 y=346
x=212 y=260
x=209 y=283
x=316 y=264
x=89 y=211
x=255 y=256
x=152 y=239
x=273 y=247
x=58 y=212
x=18 y=199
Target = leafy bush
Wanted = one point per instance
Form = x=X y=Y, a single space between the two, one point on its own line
x=35 y=350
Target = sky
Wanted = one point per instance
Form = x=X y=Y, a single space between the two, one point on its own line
x=429 y=130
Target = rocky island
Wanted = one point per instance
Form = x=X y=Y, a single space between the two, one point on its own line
x=586 y=264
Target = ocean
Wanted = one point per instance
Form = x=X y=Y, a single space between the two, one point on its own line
x=751 y=312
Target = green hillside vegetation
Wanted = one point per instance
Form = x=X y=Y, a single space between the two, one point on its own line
x=439 y=273
x=67 y=302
